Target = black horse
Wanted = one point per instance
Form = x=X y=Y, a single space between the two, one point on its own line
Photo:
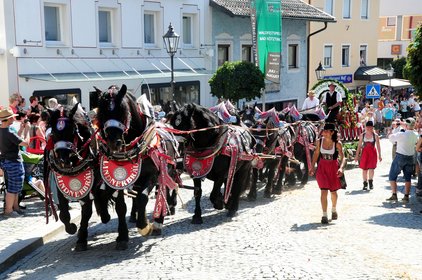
x=219 y=152
x=271 y=150
x=303 y=133
x=137 y=153
x=73 y=161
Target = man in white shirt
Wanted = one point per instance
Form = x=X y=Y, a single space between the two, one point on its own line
x=310 y=102
x=404 y=159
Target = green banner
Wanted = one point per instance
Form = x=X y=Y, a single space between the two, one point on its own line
x=266 y=29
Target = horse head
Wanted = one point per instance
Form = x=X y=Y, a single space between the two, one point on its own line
x=118 y=117
x=69 y=131
x=191 y=117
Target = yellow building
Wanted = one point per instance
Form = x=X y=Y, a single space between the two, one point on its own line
x=348 y=48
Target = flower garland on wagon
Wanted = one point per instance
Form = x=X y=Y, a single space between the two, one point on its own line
x=348 y=118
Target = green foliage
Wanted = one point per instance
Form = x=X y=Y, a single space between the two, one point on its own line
x=413 y=68
x=398 y=66
x=237 y=80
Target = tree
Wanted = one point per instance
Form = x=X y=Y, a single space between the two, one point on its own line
x=413 y=68
x=237 y=80
x=398 y=66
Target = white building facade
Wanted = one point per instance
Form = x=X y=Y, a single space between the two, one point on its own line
x=63 y=48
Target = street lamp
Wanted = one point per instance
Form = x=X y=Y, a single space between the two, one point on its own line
x=390 y=74
x=320 y=71
x=171 y=42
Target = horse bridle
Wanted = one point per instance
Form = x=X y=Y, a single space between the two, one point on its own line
x=73 y=150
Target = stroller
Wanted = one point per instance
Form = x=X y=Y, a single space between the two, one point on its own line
x=33 y=164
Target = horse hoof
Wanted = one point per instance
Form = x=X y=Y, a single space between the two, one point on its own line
x=146 y=231
x=231 y=213
x=132 y=219
x=277 y=192
x=251 y=198
x=121 y=245
x=80 y=247
x=156 y=232
x=172 y=211
x=303 y=183
x=105 y=218
x=197 y=220
x=267 y=194
x=71 y=228
x=218 y=204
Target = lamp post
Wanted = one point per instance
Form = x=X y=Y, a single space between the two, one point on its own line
x=390 y=74
x=171 y=42
x=320 y=71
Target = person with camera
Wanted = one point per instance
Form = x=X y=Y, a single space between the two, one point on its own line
x=11 y=162
x=404 y=159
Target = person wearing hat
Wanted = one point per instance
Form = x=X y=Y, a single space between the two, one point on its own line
x=332 y=99
x=404 y=159
x=310 y=102
x=11 y=162
x=367 y=153
x=328 y=153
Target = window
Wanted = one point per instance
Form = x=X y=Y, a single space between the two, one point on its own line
x=52 y=23
x=345 y=56
x=247 y=53
x=223 y=54
x=328 y=54
x=149 y=31
x=184 y=92
x=329 y=7
x=391 y=21
x=293 y=56
x=187 y=30
x=362 y=55
x=104 y=26
x=346 y=8
x=364 y=9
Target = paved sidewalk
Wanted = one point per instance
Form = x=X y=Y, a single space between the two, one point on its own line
x=20 y=236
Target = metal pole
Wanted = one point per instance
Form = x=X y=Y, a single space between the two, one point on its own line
x=172 y=77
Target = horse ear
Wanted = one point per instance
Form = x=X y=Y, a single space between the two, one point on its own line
x=122 y=92
x=73 y=111
x=174 y=106
x=97 y=90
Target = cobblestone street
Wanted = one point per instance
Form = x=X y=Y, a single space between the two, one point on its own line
x=280 y=238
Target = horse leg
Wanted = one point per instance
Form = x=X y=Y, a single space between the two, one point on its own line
x=272 y=164
x=171 y=200
x=282 y=168
x=121 y=210
x=278 y=189
x=216 y=197
x=144 y=226
x=104 y=196
x=64 y=215
x=132 y=218
x=197 y=192
x=82 y=243
x=305 y=176
x=239 y=179
x=252 y=190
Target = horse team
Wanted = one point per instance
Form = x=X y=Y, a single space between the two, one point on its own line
x=122 y=150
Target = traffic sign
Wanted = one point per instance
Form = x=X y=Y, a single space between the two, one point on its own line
x=373 y=91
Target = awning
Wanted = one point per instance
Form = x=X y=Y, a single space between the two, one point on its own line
x=370 y=73
x=106 y=76
x=394 y=83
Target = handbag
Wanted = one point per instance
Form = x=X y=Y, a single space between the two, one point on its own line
x=343 y=183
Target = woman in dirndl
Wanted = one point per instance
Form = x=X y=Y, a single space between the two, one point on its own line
x=328 y=153
x=367 y=154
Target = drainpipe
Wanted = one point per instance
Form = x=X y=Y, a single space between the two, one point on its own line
x=308 y=53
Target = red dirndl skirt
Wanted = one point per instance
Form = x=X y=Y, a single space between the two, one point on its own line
x=369 y=157
x=326 y=175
